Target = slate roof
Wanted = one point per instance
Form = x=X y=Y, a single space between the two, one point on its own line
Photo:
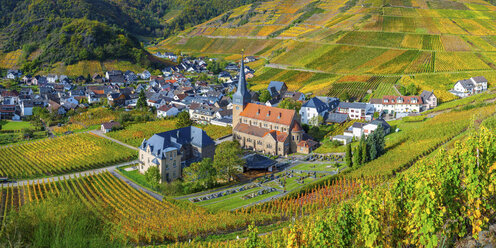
x=426 y=94
x=355 y=105
x=256 y=161
x=466 y=83
x=110 y=125
x=479 y=79
x=336 y=118
x=316 y=103
x=277 y=85
x=161 y=142
x=381 y=122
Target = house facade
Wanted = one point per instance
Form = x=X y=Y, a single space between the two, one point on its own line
x=429 y=99
x=172 y=150
x=471 y=86
x=311 y=110
x=356 y=110
x=398 y=104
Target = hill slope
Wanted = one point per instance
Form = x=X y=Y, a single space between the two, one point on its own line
x=359 y=46
x=70 y=31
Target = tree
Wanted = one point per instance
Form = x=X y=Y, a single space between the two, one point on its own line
x=348 y=156
x=316 y=120
x=141 y=104
x=363 y=145
x=357 y=156
x=152 y=176
x=202 y=174
x=227 y=159
x=345 y=96
x=411 y=89
x=183 y=120
x=290 y=103
x=264 y=96
x=27 y=133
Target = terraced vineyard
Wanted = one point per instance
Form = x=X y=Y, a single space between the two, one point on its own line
x=316 y=43
x=145 y=220
x=60 y=156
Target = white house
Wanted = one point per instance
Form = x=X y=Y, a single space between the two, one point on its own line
x=167 y=111
x=107 y=126
x=310 y=111
x=468 y=87
x=343 y=139
x=398 y=104
x=52 y=78
x=26 y=108
x=145 y=75
x=13 y=74
x=356 y=110
x=429 y=99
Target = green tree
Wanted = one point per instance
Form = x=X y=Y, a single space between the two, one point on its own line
x=152 y=176
x=411 y=89
x=290 y=103
x=363 y=146
x=253 y=241
x=227 y=159
x=348 y=156
x=27 y=133
x=357 y=156
x=201 y=173
x=183 y=120
x=345 y=96
x=264 y=96
x=141 y=104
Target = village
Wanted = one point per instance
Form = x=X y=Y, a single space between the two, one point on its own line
x=272 y=126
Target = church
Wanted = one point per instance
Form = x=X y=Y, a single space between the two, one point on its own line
x=265 y=129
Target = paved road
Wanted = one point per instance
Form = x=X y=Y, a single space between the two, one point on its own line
x=227 y=138
x=73 y=175
x=101 y=134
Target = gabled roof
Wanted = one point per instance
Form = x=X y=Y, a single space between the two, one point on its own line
x=336 y=118
x=278 y=85
x=466 y=83
x=479 y=79
x=381 y=122
x=392 y=100
x=426 y=94
x=269 y=114
x=162 y=142
x=315 y=103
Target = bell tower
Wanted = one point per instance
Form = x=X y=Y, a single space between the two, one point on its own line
x=242 y=97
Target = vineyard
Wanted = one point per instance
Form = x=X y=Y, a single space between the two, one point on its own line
x=10 y=60
x=144 y=219
x=60 y=156
x=408 y=38
x=135 y=133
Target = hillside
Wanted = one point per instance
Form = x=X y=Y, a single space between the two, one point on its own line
x=34 y=35
x=359 y=46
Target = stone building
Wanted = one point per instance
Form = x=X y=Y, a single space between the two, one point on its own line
x=265 y=129
x=171 y=151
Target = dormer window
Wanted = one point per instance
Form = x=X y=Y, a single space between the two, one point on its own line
x=258 y=111
x=268 y=114
x=279 y=117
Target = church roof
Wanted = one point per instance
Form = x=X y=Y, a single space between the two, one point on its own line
x=269 y=114
x=242 y=95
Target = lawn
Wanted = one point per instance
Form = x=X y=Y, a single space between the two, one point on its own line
x=15 y=125
x=315 y=167
x=135 y=176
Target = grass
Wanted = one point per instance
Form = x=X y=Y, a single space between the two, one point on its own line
x=15 y=125
x=135 y=176
x=315 y=167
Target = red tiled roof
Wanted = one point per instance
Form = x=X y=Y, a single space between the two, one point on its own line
x=279 y=136
x=269 y=114
x=164 y=108
x=307 y=143
x=296 y=127
x=392 y=100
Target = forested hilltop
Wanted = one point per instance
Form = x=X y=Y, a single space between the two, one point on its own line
x=71 y=31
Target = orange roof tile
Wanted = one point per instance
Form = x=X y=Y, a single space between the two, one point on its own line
x=269 y=114
x=297 y=127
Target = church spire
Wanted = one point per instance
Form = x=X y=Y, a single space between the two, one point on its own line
x=242 y=96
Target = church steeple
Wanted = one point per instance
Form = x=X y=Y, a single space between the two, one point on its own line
x=242 y=96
